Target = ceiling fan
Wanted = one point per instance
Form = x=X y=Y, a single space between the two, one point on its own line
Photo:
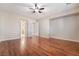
x=36 y=8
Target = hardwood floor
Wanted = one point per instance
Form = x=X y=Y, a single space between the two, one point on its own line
x=39 y=46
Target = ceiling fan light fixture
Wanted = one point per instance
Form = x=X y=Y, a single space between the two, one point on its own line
x=36 y=9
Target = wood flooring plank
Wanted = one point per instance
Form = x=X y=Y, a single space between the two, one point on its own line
x=39 y=46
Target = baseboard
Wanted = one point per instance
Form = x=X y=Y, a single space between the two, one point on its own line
x=61 y=38
x=9 y=39
x=56 y=37
x=44 y=36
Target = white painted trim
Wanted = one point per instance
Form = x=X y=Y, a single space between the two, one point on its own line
x=61 y=38
x=45 y=36
x=9 y=39
x=41 y=36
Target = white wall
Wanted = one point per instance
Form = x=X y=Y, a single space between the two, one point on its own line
x=44 y=27
x=66 y=28
x=9 y=26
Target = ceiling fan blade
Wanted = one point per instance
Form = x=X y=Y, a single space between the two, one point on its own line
x=33 y=11
x=35 y=4
x=36 y=7
x=31 y=8
x=41 y=9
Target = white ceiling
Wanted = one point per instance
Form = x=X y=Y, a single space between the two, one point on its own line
x=23 y=9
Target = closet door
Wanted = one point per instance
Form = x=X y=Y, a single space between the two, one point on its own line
x=24 y=33
x=23 y=30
